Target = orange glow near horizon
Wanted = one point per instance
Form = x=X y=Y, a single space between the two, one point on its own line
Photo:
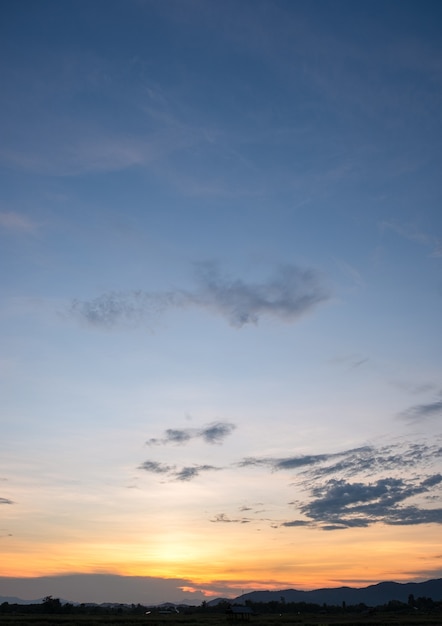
x=312 y=561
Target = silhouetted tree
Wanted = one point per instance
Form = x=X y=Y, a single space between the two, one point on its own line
x=51 y=605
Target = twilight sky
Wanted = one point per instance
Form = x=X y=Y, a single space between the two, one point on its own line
x=221 y=296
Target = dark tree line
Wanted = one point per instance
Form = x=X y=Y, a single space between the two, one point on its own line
x=52 y=605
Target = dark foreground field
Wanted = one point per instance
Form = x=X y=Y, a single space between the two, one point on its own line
x=390 y=619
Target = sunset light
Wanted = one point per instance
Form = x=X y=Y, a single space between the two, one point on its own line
x=221 y=297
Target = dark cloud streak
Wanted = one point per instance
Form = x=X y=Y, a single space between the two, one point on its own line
x=183 y=474
x=156 y=468
x=188 y=473
x=224 y=519
x=423 y=411
x=213 y=433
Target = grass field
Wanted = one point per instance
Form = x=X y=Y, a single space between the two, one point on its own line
x=390 y=619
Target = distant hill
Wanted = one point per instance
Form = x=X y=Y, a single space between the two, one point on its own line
x=13 y=600
x=373 y=595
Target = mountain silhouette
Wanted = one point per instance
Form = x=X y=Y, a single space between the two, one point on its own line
x=373 y=595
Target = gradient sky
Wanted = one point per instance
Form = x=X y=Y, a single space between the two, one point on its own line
x=221 y=296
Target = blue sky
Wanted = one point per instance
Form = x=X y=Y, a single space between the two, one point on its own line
x=221 y=241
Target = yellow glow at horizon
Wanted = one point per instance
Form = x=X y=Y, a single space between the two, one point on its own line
x=276 y=558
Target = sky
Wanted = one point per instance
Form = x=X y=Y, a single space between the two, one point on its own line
x=221 y=296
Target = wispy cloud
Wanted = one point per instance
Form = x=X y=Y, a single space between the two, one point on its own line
x=414 y=388
x=286 y=295
x=412 y=233
x=16 y=222
x=296 y=462
x=296 y=523
x=184 y=474
x=423 y=411
x=213 y=433
x=299 y=461
x=188 y=473
x=156 y=468
x=369 y=461
x=351 y=272
x=350 y=361
x=225 y=519
x=124 y=309
x=6 y=501
x=71 y=148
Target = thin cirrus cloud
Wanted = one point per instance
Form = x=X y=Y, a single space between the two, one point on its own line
x=410 y=232
x=294 y=462
x=213 y=433
x=287 y=295
x=16 y=222
x=366 y=459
